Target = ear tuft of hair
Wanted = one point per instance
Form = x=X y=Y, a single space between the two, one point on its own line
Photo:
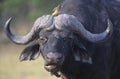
x=31 y=52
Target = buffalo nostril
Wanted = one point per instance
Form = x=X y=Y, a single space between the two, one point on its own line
x=50 y=55
x=59 y=56
x=54 y=56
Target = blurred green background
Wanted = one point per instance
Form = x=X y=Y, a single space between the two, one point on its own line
x=24 y=12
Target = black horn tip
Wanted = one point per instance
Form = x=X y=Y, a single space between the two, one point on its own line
x=8 y=21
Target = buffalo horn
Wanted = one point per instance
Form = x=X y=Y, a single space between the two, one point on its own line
x=72 y=23
x=40 y=23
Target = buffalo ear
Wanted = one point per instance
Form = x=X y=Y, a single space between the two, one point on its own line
x=31 y=52
x=81 y=53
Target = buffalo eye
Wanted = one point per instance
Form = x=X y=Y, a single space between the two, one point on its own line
x=43 y=39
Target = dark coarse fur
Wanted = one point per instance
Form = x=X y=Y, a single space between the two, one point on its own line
x=64 y=50
x=106 y=56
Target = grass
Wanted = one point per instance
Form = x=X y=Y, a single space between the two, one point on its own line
x=12 y=68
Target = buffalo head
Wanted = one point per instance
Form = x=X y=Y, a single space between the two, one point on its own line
x=56 y=38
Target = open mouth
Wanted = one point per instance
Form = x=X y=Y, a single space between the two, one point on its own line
x=53 y=68
x=50 y=67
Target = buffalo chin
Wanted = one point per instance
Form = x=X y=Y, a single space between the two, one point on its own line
x=53 y=69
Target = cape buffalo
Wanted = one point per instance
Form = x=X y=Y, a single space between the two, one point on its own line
x=81 y=42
